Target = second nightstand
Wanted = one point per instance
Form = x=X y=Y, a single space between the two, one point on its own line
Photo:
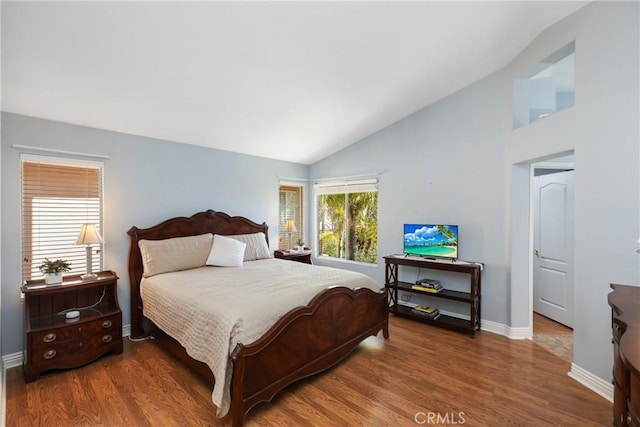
x=54 y=342
x=299 y=256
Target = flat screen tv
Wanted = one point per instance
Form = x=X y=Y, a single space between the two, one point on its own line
x=431 y=240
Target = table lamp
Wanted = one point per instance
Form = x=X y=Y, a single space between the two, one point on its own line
x=89 y=236
x=289 y=229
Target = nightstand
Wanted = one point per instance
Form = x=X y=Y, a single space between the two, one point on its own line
x=303 y=256
x=54 y=342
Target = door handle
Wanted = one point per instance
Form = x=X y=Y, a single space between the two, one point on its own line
x=536 y=253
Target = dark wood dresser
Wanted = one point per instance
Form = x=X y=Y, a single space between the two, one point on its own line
x=625 y=323
x=54 y=342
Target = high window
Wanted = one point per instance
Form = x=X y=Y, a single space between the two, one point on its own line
x=348 y=220
x=549 y=87
x=291 y=203
x=58 y=197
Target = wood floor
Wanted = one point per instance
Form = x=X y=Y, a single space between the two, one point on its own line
x=420 y=373
x=544 y=325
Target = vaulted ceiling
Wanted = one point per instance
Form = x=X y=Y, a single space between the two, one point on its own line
x=295 y=81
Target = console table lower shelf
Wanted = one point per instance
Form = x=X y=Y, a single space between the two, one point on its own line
x=444 y=321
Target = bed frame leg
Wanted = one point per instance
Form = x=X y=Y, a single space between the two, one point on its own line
x=238 y=418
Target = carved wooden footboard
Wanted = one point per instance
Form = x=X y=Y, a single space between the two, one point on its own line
x=305 y=341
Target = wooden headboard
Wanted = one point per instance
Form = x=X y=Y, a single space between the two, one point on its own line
x=208 y=221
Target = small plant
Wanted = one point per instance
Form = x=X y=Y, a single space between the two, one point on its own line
x=54 y=267
x=300 y=241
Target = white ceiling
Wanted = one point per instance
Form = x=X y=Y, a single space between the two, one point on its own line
x=295 y=81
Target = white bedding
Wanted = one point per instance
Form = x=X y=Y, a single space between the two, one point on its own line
x=234 y=305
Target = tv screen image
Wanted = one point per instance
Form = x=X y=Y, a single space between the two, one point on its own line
x=431 y=240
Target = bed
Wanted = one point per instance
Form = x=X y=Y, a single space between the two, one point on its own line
x=305 y=340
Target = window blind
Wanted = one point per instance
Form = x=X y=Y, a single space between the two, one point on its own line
x=364 y=186
x=56 y=200
x=291 y=203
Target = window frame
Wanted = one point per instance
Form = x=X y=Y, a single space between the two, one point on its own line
x=79 y=254
x=298 y=189
x=337 y=187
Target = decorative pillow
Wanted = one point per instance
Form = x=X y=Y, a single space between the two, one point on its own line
x=257 y=247
x=179 y=253
x=226 y=252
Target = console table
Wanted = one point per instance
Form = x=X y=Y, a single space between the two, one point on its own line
x=472 y=298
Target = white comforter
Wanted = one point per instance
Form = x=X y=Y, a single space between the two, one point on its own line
x=211 y=309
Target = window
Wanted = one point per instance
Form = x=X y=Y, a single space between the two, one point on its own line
x=58 y=197
x=549 y=87
x=291 y=198
x=348 y=220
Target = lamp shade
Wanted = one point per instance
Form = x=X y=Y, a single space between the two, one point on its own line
x=290 y=226
x=89 y=235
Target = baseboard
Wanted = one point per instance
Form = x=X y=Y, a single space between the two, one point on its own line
x=495 y=327
x=592 y=382
x=504 y=330
x=487 y=325
x=522 y=333
x=11 y=361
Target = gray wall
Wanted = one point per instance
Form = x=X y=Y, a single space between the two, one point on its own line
x=603 y=131
x=459 y=161
x=145 y=181
x=444 y=164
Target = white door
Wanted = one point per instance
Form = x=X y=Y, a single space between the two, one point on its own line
x=553 y=247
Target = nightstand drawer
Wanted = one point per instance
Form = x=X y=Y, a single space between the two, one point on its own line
x=47 y=338
x=111 y=323
x=74 y=348
x=44 y=339
x=54 y=351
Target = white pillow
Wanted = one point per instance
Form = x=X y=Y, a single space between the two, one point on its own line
x=257 y=247
x=226 y=252
x=178 y=253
